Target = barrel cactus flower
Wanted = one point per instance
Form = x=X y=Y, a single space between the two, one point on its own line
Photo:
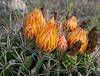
x=32 y=23
x=47 y=38
x=71 y=23
x=62 y=43
x=76 y=35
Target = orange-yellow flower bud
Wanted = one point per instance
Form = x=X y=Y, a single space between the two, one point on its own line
x=47 y=38
x=78 y=34
x=33 y=22
x=71 y=23
x=62 y=43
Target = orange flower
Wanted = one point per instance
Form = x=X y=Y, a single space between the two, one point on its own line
x=62 y=43
x=47 y=38
x=71 y=23
x=78 y=34
x=33 y=22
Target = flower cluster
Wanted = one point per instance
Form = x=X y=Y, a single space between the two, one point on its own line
x=47 y=36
